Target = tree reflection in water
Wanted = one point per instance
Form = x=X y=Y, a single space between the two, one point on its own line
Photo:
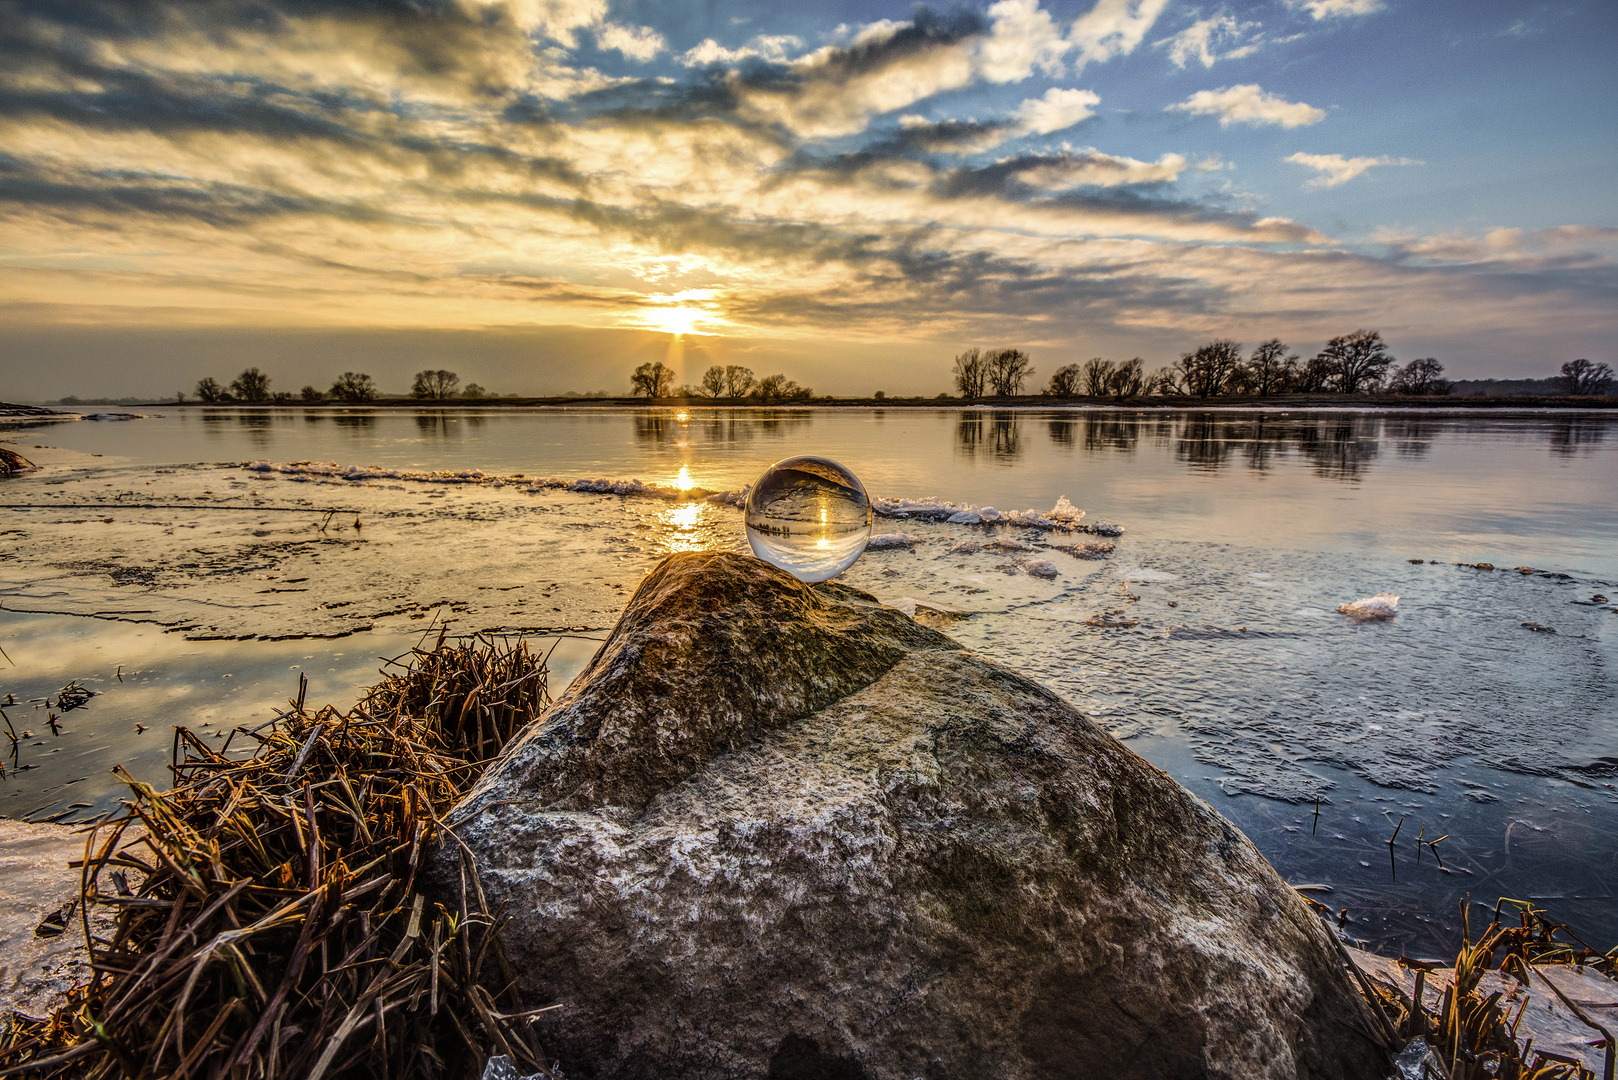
x=1338 y=447
x=1412 y=436
x=722 y=428
x=1112 y=432
x=255 y=423
x=355 y=422
x=437 y=425
x=999 y=436
x=1571 y=434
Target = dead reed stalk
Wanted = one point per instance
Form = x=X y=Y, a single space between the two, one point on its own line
x=1471 y=1031
x=268 y=920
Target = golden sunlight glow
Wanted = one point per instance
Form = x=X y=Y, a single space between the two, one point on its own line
x=686 y=514
x=682 y=417
x=678 y=321
x=683 y=481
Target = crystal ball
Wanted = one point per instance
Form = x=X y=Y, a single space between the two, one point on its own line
x=810 y=516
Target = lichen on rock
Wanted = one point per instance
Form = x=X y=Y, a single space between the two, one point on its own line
x=781 y=830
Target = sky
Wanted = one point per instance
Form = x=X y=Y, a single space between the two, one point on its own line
x=541 y=194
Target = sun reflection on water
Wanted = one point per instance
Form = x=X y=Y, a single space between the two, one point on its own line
x=683 y=481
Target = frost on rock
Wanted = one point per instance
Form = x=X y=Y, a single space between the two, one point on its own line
x=1380 y=606
x=890 y=541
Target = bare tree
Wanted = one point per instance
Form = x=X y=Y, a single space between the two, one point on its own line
x=251 y=385
x=1359 y=360
x=1165 y=382
x=1064 y=381
x=1270 y=368
x=354 y=388
x=1007 y=369
x=774 y=388
x=738 y=381
x=652 y=379
x=211 y=392
x=1128 y=379
x=473 y=390
x=1315 y=377
x=1208 y=370
x=435 y=385
x=310 y=394
x=1419 y=378
x=1579 y=377
x=1097 y=376
x=713 y=381
x=971 y=373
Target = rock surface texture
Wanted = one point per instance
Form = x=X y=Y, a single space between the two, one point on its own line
x=780 y=831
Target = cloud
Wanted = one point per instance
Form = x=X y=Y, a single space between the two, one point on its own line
x=773 y=48
x=1091 y=168
x=635 y=42
x=1333 y=9
x=1058 y=109
x=1113 y=28
x=1204 y=39
x=447 y=163
x=1022 y=36
x=1335 y=169
x=1248 y=104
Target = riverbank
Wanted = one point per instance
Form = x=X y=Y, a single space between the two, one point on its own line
x=312 y=847
x=1282 y=402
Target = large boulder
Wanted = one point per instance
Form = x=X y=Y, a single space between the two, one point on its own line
x=778 y=830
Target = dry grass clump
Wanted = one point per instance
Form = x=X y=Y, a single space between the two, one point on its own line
x=1472 y=1032
x=269 y=920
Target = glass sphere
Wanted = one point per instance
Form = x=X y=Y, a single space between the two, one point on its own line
x=810 y=516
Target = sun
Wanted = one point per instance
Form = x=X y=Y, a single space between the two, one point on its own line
x=678 y=321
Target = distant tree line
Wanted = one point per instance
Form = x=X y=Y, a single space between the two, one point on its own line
x=252 y=387
x=1355 y=363
x=730 y=382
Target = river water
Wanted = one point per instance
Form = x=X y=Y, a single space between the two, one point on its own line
x=188 y=566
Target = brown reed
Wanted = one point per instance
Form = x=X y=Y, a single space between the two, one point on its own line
x=1471 y=1031
x=267 y=919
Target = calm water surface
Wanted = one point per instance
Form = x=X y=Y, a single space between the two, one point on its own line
x=1244 y=531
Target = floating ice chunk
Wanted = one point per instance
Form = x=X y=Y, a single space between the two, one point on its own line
x=1066 y=513
x=889 y=541
x=1040 y=568
x=1381 y=606
x=1064 y=516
